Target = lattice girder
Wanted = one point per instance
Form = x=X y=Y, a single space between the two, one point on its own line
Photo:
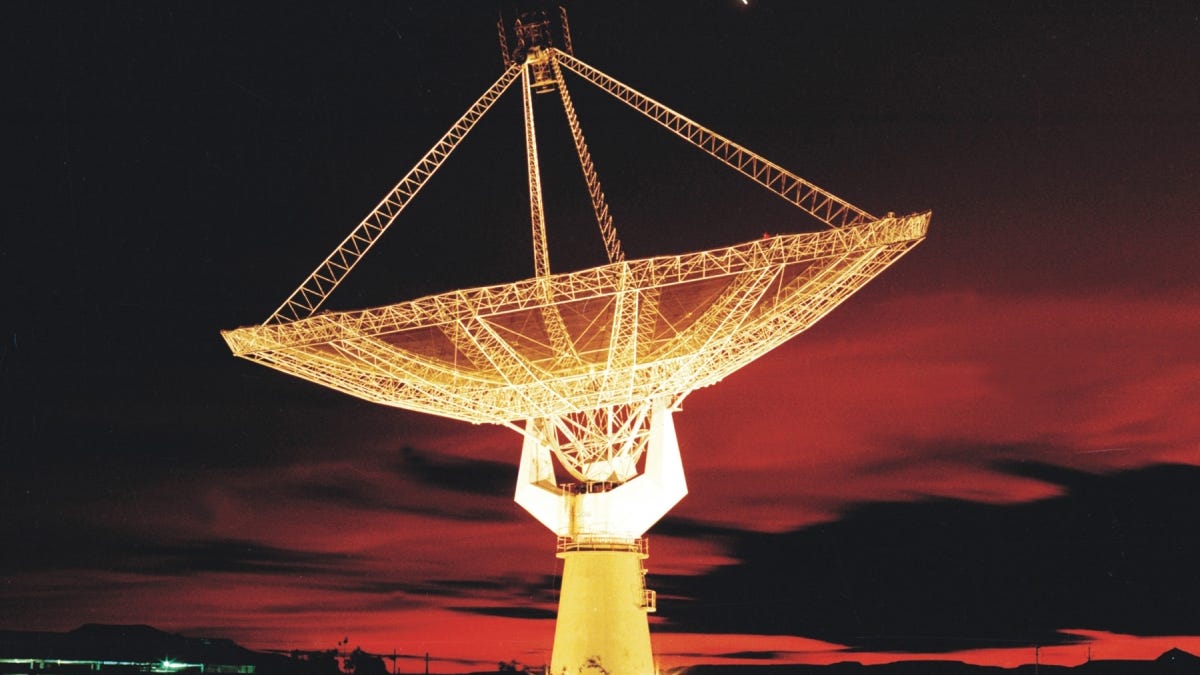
x=537 y=217
x=608 y=233
x=602 y=445
x=821 y=204
x=312 y=293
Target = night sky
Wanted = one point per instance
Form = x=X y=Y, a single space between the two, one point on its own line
x=995 y=445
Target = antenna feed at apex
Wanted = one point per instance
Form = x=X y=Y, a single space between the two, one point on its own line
x=532 y=33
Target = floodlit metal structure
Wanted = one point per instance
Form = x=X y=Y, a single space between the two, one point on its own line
x=586 y=366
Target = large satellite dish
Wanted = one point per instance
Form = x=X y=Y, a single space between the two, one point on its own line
x=587 y=366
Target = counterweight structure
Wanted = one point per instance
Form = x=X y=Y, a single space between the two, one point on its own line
x=587 y=366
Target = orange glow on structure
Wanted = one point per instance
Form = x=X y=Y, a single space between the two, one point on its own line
x=588 y=366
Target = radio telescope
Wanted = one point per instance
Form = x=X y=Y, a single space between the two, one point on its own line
x=587 y=366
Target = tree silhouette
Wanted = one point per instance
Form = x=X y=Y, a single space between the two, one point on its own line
x=362 y=663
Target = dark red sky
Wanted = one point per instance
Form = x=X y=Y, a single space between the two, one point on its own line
x=994 y=445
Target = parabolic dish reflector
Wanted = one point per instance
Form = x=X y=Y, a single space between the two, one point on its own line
x=605 y=336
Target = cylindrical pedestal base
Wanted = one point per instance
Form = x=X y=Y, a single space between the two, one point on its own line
x=602 y=625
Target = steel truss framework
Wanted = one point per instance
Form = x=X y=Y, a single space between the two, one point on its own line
x=577 y=361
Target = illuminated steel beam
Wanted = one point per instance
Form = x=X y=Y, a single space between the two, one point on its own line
x=313 y=292
x=824 y=206
x=541 y=253
x=623 y=335
x=725 y=314
x=612 y=245
x=555 y=329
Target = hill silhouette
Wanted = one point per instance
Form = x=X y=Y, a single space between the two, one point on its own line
x=137 y=648
x=855 y=668
x=1172 y=662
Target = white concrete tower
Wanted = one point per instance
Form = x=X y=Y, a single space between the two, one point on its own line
x=602 y=610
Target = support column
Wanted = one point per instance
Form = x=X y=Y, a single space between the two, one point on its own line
x=602 y=628
x=602 y=625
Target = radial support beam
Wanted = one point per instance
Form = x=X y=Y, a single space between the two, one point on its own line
x=311 y=294
x=623 y=335
x=723 y=316
x=480 y=341
x=824 y=206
